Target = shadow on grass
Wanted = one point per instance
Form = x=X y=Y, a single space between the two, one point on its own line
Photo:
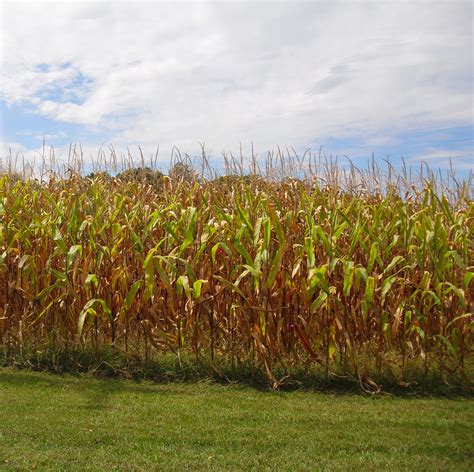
x=167 y=376
x=97 y=393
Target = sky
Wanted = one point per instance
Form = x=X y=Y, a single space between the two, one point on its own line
x=392 y=78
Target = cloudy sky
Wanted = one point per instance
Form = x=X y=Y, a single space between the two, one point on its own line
x=355 y=77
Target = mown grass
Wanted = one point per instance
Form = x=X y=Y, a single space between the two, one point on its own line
x=82 y=423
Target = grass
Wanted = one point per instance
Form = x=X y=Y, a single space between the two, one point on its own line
x=82 y=423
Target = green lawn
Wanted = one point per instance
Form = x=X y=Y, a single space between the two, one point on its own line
x=57 y=423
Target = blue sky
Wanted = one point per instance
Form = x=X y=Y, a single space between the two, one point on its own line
x=299 y=74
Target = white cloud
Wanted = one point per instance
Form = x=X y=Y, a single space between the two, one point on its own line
x=444 y=154
x=446 y=158
x=277 y=73
x=16 y=158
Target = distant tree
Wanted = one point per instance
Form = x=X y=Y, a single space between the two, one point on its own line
x=12 y=177
x=183 y=171
x=233 y=179
x=143 y=174
x=99 y=175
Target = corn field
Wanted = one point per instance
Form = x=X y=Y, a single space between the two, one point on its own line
x=274 y=273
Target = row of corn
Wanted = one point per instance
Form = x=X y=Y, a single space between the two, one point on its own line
x=277 y=275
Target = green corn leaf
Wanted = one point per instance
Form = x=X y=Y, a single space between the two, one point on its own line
x=89 y=310
x=197 y=287
x=369 y=290
x=374 y=255
x=332 y=349
x=333 y=263
x=317 y=278
x=433 y=296
x=386 y=286
x=59 y=275
x=425 y=281
x=420 y=332
x=275 y=267
x=241 y=277
x=339 y=230
x=149 y=276
x=348 y=277
x=323 y=238
x=263 y=324
x=458 y=292
x=467 y=279
x=253 y=270
x=267 y=232
x=233 y=287
x=190 y=229
x=448 y=344
x=364 y=306
x=243 y=215
x=136 y=241
x=216 y=247
x=456 y=258
x=214 y=252
x=163 y=275
x=318 y=302
x=72 y=253
x=149 y=258
x=278 y=228
x=153 y=220
x=132 y=294
x=309 y=248
x=182 y=283
x=256 y=232
x=243 y=252
x=91 y=279
x=469 y=316
x=361 y=273
x=396 y=260
x=58 y=239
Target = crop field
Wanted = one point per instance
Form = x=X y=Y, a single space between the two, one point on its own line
x=358 y=276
